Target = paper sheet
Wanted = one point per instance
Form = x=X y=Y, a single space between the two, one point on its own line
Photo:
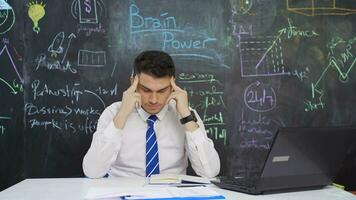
x=177 y=179
x=147 y=193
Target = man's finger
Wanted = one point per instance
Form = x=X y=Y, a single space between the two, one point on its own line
x=138 y=101
x=134 y=84
x=174 y=86
x=172 y=96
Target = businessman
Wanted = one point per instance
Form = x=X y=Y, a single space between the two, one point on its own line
x=152 y=130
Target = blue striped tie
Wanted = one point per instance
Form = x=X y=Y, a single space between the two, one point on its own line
x=152 y=166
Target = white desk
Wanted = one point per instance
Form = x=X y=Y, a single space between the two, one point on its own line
x=76 y=188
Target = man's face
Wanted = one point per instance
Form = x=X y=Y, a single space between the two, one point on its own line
x=154 y=92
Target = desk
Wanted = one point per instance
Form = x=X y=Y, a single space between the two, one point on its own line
x=76 y=188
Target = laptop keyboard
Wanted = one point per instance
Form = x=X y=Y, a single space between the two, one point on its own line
x=246 y=182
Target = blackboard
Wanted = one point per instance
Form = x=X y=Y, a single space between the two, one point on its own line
x=249 y=67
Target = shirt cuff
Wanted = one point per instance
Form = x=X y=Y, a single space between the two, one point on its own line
x=197 y=136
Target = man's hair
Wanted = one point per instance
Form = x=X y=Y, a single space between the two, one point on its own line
x=155 y=63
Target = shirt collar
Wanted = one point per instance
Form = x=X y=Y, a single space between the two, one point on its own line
x=144 y=115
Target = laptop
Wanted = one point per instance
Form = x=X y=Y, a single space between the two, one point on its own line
x=299 y=159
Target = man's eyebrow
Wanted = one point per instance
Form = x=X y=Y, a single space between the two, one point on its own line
x=164 y=88
x=144 y=87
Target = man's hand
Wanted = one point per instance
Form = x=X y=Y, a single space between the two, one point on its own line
x=130 y=100
x=181 y=98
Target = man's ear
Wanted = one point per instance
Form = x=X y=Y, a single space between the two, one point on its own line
x=174 y=80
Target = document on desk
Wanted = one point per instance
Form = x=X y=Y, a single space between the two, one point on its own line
x=152 y=193
x=176 y=179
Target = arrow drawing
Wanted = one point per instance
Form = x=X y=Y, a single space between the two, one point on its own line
x=71 y=36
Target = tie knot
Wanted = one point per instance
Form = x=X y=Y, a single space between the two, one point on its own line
x=151 y=120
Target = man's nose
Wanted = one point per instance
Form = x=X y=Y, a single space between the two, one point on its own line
x=153 y=98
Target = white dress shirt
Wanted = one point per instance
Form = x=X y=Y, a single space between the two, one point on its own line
x=122 y=152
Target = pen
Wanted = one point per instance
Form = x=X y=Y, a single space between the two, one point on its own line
x=124 y=197
x=339 y=186
x=191 y=186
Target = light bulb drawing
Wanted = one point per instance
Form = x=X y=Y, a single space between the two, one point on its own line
x=245 y=6
x=36 y=12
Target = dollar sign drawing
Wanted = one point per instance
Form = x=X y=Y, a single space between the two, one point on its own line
x=87 y=6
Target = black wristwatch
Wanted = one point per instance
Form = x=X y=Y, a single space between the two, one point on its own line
x=189 y=118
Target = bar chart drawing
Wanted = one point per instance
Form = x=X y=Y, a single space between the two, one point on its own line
x=261 y=56
x=91 y=58
x=321 y=7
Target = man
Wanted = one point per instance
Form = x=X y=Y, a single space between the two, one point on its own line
x=152 y=130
